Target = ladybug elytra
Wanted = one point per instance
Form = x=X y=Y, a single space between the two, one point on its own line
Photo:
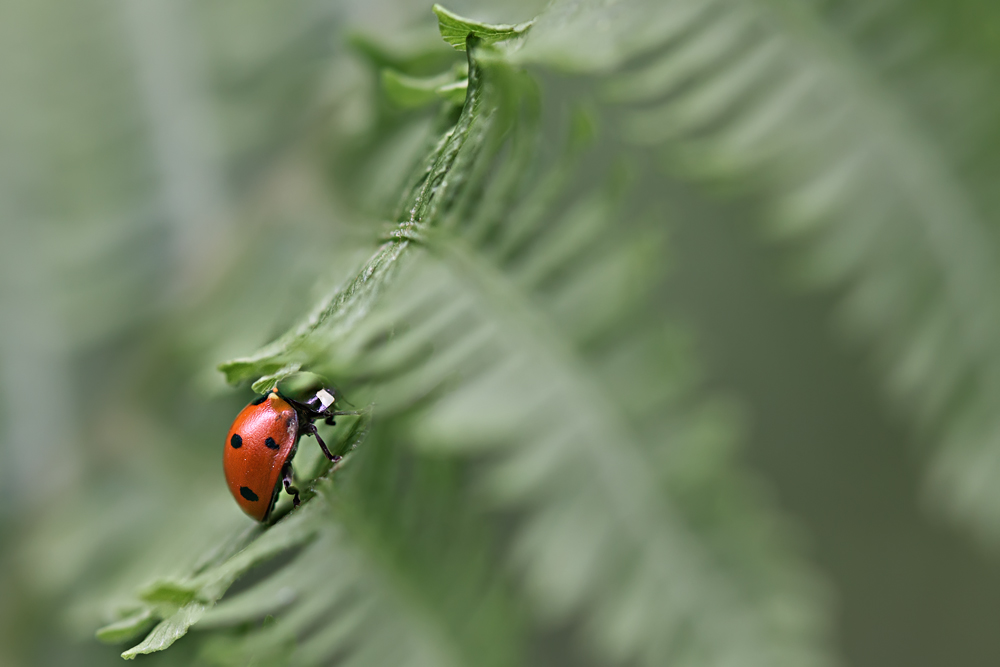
x=262 y=441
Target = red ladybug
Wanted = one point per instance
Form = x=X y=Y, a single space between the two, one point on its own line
x=261 y=444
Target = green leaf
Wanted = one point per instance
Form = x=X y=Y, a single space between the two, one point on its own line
x=456 y=29
x=454 y=92
x=177 y=593
x=181 y=604
x=292 y=531
x=127 y=628
x=168 y=631
x=268 y=382
x=415 y=54
x=411 y=92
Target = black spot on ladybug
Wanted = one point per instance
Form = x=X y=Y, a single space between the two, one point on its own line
x=270 y=443
x=259 y=400
x=248 y=494
x=236 y=441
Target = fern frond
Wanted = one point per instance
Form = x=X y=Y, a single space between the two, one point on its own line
x=537 y=472
x=484 y=343
x=767 y=96
x=400 y=573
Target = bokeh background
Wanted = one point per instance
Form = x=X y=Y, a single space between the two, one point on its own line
x=180 y=181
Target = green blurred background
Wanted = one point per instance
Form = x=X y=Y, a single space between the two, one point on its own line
x=176 y=190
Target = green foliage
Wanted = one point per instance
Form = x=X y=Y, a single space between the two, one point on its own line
x=408 y=91
x=502 y=324
x=760 y=94
x=537 y=470
x=456 y=29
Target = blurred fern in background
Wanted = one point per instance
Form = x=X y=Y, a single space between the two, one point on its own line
x=512 y=237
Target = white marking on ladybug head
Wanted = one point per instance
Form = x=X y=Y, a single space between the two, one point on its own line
x=325 y=398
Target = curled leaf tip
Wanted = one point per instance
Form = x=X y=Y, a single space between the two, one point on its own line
x=455 y=29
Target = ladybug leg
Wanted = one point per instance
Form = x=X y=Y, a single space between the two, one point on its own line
x=330 y=416
x=311 y=430
x=286 y=479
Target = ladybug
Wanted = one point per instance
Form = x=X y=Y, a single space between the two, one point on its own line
x=262 y=441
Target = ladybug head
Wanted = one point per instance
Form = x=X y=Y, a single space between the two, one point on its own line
x=309 y=393
x=321 y=401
